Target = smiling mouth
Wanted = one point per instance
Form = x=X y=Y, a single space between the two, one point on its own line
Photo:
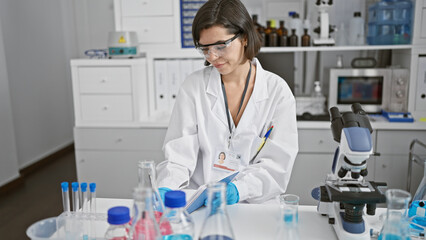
x=218 y=65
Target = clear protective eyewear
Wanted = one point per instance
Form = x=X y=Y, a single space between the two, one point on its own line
x=218 y=49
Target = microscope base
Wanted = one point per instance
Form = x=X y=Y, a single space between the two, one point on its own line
x=324 y=42
x=332 y=209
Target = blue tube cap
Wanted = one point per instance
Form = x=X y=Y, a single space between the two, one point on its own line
x=74 y=186
x=118 y=215
x=92 y=187
x=174 y=199
x=83 y=187
x=64 y=186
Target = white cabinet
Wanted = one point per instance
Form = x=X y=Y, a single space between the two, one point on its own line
x=110 y=92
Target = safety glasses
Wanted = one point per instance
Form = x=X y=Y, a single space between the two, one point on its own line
x=219 y=49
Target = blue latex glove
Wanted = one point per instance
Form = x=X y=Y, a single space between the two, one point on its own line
x=232 y=196
x=162 y=191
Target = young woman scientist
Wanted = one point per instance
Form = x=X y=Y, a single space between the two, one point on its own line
x=227 y=108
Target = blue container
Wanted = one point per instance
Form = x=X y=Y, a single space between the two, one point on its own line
x=390 y=22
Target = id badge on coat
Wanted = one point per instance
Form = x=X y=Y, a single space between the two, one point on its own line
x=226 y=160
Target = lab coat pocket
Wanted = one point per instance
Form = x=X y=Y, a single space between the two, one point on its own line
x=254 y=149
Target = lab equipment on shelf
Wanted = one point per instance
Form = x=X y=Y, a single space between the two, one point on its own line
x=176 y=218
x=217 y=225
x=324 y=29
x=118 y=218
x=144 y=224
x=356 y=30
x=346 y=192
x=390 y=22
x=396 y=223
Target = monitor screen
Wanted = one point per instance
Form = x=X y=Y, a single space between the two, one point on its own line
x=364 y=90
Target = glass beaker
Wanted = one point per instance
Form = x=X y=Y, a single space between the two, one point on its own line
x=144 y=225
x=216 y=226
x=289 y=218
x=147 y=179
x=396 y=225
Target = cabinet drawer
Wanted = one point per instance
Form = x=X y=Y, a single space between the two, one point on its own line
x=120 y=138
x=106 y=108
x=133 y=8
x=104 y=79
x=151 y=29
x=321 y=141
x=398 y=142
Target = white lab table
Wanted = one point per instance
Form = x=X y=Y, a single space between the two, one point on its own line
x=259 y=221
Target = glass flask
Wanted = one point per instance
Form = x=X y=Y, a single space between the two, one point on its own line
x=143 y=224
x=289 y=217
x=147 y=179
x=216 y=225
x=175 y=218
x=118 y=218
x=396 y=225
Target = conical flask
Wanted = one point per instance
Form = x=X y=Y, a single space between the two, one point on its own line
x=216 y=226
x=147 y=179
x=396 y=225
x=144 y=226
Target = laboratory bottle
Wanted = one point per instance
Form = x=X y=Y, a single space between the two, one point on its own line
x=216 y=225
x=259 y=28
x=118 y=219
x=296 y=23
x=356 y=30
x=147 y=179
x=273 y=37
x=268 y=31
x=318 y=100
x=396 y=225
x=306 y=39
x=292 y=40
x=282 y=35
x=176 y=217
x=143 y=223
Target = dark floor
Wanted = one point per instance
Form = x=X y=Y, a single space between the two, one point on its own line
x=37 y=198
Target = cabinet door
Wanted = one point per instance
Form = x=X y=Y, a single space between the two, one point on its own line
x=114 y=172
x=134 y=8
x=151 y=29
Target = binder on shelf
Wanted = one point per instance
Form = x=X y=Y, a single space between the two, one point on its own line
x=161 y=83
x=173 y=77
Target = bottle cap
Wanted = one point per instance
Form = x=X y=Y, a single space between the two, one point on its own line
x=273 y=23
x=74 y=186
x=174 y=199
x=83 y=187
x=118 y=215
x=92 y=187
x=64 y=186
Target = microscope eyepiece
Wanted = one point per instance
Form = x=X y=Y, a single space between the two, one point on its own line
x=334 y=113
x=357 y=109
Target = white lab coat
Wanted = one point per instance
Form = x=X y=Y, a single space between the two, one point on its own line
x=198 y=127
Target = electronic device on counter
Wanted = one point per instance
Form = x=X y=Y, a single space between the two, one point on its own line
x=376 y=89
x=122 y=44
x=398 y=116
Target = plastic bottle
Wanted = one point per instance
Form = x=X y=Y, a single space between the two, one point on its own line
x=282 y=34
x=356 y=30
x=175 y=216
x=216 y=226
x=118 y=218
x=143 y=225
x=318 y=99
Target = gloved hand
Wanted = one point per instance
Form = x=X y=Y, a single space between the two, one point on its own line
x=232 y=196
x=162 y=191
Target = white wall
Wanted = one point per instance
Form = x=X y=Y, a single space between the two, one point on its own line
x=8 y=154
x=39 y=39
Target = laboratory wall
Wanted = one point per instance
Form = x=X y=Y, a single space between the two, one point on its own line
x=8 y=154
x=39 y=40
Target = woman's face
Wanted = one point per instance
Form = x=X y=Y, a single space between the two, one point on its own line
x=229 y=58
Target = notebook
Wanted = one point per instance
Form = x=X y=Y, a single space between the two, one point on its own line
x=199 y=197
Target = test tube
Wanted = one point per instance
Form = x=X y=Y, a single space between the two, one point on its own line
x=84 y=205
x=65 y=197
x=75 y=198
x=92 y=187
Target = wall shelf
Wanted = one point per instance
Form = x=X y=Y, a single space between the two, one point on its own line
x=332 y=48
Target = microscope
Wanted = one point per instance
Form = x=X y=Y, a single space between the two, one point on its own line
x=346 y=192
x=324 y=29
